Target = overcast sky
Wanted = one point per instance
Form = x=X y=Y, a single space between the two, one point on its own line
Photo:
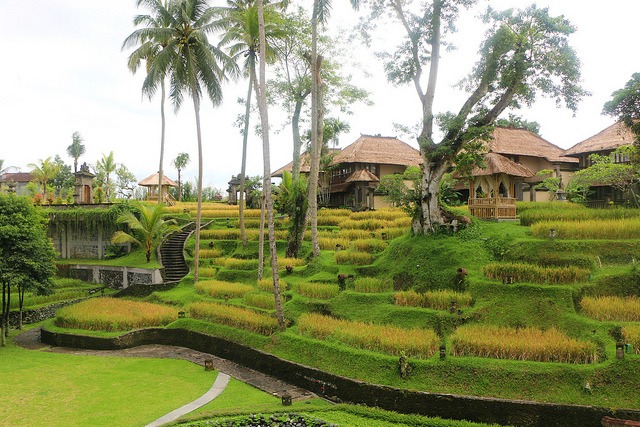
x=63 y=71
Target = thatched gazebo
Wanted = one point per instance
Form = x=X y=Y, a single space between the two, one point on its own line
x=151 y=182
x=491 y=192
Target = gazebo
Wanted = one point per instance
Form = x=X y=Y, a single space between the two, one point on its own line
x=492 y=190
x=151 y=182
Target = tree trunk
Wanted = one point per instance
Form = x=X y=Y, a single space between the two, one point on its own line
x=243 y=166
x=7 y=311
x=316 y=134
x=264 y=122
x=3 y=339
x=297 y=141
x=161 y=168
x=196 y=251
x=261 y=237
x=179 y=187
x=21 y=291
x=432 y=214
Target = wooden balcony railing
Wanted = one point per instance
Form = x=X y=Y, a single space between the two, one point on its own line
x=493 y=207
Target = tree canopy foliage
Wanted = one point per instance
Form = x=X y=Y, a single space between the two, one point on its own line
x=625 y=105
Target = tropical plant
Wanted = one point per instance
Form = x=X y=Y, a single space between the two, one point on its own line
x=76 y=149
x=192 y=65
x=525 y=53
x=26 y=254
x=267 y=198
x=104 y=168
x=625 y=106
x=44 y=173
x=320 y=15
x=146 y=229
x=180 y=162
x=150 y=43
x=239 y=21
x=291 y=200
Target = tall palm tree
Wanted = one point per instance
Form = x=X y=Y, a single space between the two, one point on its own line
x=44 y=172
x=150 y=44
x=76 y=149
x=320 y=15
x=147 y=229
x=266 y=188
x=239 y=21
x=180 y=162
x=192 y=65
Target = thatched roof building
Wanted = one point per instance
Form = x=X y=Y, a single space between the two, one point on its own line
x=379 y=150
x=496 y=164
x=615 y=136
x=152 y=181
x=521 y=142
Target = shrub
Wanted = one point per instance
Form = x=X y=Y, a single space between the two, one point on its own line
x=369 y=245
x=353 y=257
x=578 y=213
x=234 y=316
x=318 y=290
x=612 y=308
x=631 y=334
x=263 y=300
x=393 y=232
x=295 y=262
x=372 y=285
x=521 y=344
x=210 y=253
x=221 y=234
x=207 y=271
x=365 y=224
x=414 y=342
x=111 y=314
x=521 y=272
x=266 y=285
x=222 y=290
x=437 y=300
x=241 y=264
x=353 y=234
x=331 y=243
x=589 y=229
x=33 y=300
x=385 y=214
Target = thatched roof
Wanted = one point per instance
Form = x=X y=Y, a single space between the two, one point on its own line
x=152 y=180
x=380 y=150
x=305 y=164
x=521 y=142
x=616 y=135
x=495 y=163
x=362 y=176
x=16 y=177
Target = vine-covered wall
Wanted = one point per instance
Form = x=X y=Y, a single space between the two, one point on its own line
x=83 y=232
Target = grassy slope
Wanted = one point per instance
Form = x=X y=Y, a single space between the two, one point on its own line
x=67 y=390
x=431 y=263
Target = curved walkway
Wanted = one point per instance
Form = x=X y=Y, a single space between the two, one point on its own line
x=216 y=389
x=31 y=340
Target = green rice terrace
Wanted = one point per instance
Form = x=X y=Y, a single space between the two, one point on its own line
x=547 y=310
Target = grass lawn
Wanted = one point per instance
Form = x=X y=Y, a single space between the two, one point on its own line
x=68 y=390
x=137 y=258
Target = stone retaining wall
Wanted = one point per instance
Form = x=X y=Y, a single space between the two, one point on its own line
x=113 y=277
x=39 y=314
x=342 y=389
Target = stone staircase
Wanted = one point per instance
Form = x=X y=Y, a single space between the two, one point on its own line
x=172 y=256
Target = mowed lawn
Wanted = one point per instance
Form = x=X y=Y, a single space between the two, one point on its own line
x=49 y=389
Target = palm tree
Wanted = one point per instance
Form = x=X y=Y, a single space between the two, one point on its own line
x=44 y=172
x=180 y=163
x=191 y=64
x=76 y=149
x=150 y=44
x=147 y=229
x=239 y=20
x=320 y=15
x=266 y=187
x=104 y=168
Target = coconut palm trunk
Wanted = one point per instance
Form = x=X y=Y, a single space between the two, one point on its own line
x=162 y=127
x=196 y=251
x=264 y=121
x=243 y=168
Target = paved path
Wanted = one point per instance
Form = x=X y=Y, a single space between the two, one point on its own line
x=216 y=389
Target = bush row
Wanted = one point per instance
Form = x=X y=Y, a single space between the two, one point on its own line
x=610 y=229
x=437 y=300
x=415 y=342
x=607 y=308
x=234 y=316
x=521 y=344
x=521 y=272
